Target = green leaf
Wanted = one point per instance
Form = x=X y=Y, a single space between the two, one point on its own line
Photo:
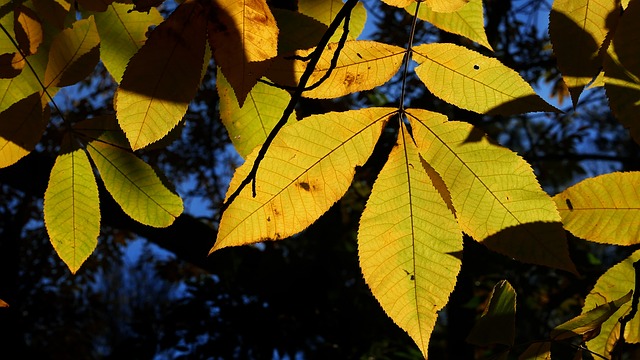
x=134 y=185
x=614 y=284
x=468 y=21
x=409 y=243
x=497 y=199
x=497 y=325
x=602 y=208
x=122 y=34
x=73 y=55
x=248 y=126
x=72 y=208
x=307 y=168
x=588 y=323
x=21 y=127
x=472 y=81
x=537 y=351
x=162 y=77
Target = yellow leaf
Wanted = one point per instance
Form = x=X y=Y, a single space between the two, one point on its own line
x=362 y=65
x=307 y=168
x=28 y=30
x=612 y=285
x=497 y=198
x=21 y=127
x=577 y=29
x=240 y=33
x=134 y=185
x=398 y=3
x=297 y=31
x=468 y=21
x=248 y=126
x=497 y=325
x=162 y=77
x=326 y=11
x=445 y=6
x=472 y=81
x=122 y=34
x=622 y=71
x=73 y=55
x=72 y=208
x=409 y=243
x=603 y=209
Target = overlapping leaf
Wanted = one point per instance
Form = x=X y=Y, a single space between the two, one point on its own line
x=248 y=126
x=72 y=208
x=21 y=127
x=614 y=284
x=73 y=55
x=362 y=65
x=306 y=169
x=133 y=184
x=326 y=11
x=497 y=325
x=243 y=34
x=24 y=30
x=163 y=77
x=578 y=29
x=409 y=243
x=297 y=31
x=603 y=209
x=122 y=33
x=537 y=351
x=472 y=81
x=622 y=71
x=468 y=21
x=497 y=198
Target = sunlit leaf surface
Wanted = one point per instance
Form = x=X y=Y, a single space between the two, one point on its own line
x=21 y=127
x=325 y=12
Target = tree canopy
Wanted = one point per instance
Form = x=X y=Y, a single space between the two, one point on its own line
x=414 y=175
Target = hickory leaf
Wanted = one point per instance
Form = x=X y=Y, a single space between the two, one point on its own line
x=72 y=208
x=134 y=185
x=21 y=127
x=578 y=29
x=297 y=31
x=603 y=209
x=248 y=126
x=468 y=21
x=399 y=3
x=73 y=55
x=307 y=168
x=497 y=199
x=622 y=71
x=162 y=77
x=614 y=284
x=409 y=243
x=242 y=34
x=472 y=81
x=122 y=34
x=325 y=12
x=445 y=6
x=362 y=65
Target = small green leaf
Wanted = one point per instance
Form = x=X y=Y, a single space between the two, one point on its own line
x=134 y=185
x=72 y=208
x=497 y=325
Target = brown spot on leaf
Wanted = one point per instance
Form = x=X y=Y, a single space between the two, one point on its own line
x=304 y=185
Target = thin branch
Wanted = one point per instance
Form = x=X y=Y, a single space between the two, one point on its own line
x=295 y=98
x=407 y=57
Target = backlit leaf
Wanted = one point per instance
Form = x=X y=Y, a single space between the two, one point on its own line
x=409 y=244
x=28 y=30
x=17 y=88
x=134 y=185
x=603 y=209
x=614 y=284
x=3 y=304
x=21 y=127
x=537 y=351
x=472 y=81
x=307 y=168
x=53 y=12
x=297 y=31
x=240 y=33
x=445 y=6
x=622 y=71
x=497 y=325
x=248 y=126
x=577 y=29
x=497 y=198
x=362 y=65
x=326 y=11
x=589 y=322
x=96 y=5
x=398 y=3
x=468 y=21
x=162 y=77
x=72 y=208
x=122 y=34
x=73 y=55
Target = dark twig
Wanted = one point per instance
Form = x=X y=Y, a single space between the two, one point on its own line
x=407 y=57
x=617 y=350
x=295 y=97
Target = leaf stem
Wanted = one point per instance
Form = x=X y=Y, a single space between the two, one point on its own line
x=295 y=98
x=407 y=57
